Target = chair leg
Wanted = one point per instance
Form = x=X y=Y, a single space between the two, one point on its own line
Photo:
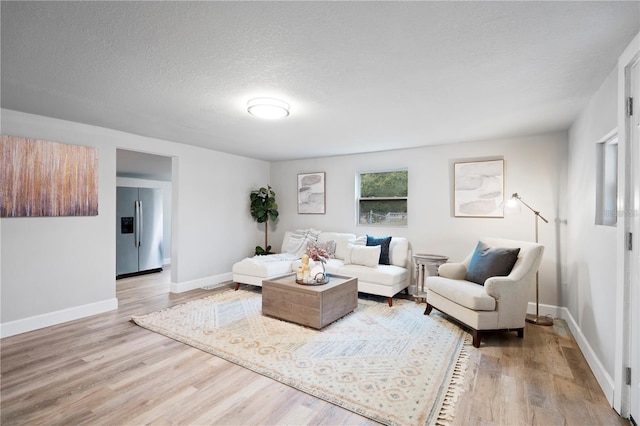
x=476 y=338
x=390 y=301
x=237 y=286
x=520 y=332
x=428 y=309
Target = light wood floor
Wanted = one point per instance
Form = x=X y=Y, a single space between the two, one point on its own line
x=106 y=370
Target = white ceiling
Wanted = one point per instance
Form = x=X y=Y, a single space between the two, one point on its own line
x=360 y=76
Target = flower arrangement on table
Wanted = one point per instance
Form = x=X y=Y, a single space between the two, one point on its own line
x=317 y=252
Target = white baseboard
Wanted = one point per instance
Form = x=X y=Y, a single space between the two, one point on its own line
x=544 y=310
x=36 y=322
x=605 y=381
x=602 y=376
x=209 y=282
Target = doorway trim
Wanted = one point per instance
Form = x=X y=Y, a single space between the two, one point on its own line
x=626 y=224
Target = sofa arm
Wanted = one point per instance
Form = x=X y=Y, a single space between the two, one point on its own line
x=511 y=297
x=454 y=271
x=502 y=287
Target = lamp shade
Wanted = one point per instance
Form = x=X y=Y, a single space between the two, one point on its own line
x=268 y=108
x=512 y=206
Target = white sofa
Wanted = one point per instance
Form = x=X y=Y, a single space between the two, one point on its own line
x=497 y=304
x=382 y=280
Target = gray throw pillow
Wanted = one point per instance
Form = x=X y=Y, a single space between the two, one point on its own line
x=490 y=261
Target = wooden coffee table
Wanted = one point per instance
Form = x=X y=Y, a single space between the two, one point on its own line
x=314 y=306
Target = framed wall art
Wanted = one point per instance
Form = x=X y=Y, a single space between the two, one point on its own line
x=42 y=178
x=478 y=189
x=311 y=193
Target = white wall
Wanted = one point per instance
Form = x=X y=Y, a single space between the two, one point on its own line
x=166 y=208
x=535 y=167
x=59 y=268
x=591 y=293
x=53 y=264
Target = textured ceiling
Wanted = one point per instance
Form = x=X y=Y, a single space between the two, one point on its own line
x=360 y=76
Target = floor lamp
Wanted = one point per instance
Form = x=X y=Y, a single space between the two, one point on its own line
x=533 y=319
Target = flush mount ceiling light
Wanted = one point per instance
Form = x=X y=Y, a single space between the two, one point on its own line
x=268 y=108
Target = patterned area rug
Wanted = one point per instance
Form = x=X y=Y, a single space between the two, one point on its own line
x=392 y=365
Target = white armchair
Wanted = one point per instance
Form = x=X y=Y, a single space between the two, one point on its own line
x=498 y=305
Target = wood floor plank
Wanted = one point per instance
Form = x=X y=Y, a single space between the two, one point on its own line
x=105 y=370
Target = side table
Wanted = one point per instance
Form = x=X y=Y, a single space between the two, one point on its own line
x=424 y=266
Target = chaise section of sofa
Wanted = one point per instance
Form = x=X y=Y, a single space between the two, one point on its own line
x=373 y=278
x=253 y=270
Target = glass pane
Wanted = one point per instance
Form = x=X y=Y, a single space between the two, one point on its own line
x=610 y=185
x=607 y=182
x=386 y=184
x=387 y=212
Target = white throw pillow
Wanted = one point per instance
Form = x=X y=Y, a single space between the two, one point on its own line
x=362 y=255
x=359 y=241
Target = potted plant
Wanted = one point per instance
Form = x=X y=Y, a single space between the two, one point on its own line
x=263 y=208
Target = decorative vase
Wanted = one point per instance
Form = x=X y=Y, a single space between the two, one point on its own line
x=318 y=272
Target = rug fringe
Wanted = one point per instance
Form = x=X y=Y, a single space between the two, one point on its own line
x=456 y=388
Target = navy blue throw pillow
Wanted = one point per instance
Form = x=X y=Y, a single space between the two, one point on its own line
x=384 y=247
x=490 y=261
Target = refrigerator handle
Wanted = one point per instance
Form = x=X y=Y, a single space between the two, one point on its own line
x=140 y=222
x=136 y=225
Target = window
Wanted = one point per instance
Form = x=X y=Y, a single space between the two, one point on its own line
x=382 y=198
x=607 y=181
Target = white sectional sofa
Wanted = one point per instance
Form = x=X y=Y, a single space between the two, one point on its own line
x=352 y=258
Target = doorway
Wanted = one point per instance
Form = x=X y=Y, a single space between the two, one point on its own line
x=634 y=260
x=144 y=170
x=627 y=362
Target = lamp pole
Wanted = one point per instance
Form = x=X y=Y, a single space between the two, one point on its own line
x=535 y=319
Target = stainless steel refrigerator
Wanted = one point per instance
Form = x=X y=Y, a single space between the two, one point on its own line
x=139 y=231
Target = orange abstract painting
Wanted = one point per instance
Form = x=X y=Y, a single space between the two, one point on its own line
x=42 y=178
